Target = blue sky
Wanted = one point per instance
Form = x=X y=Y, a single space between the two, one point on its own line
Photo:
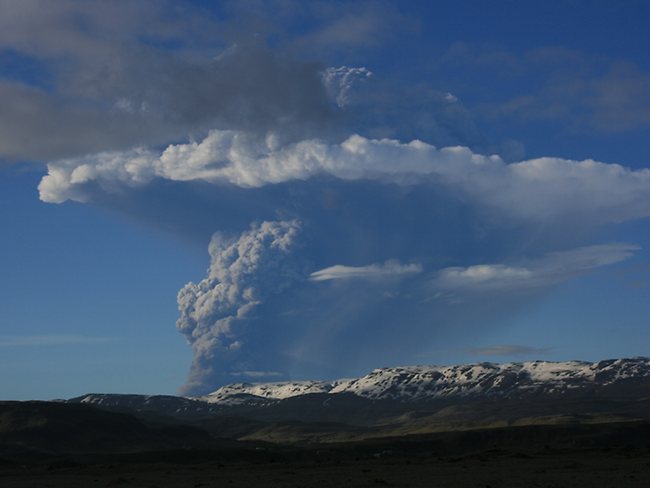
x=269 y=143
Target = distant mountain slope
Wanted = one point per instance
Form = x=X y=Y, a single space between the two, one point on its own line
x=53 y=427
x=166 y=405
x=408 y=400
x=485 y=380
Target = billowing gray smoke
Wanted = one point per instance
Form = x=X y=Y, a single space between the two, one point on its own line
x=244 y=270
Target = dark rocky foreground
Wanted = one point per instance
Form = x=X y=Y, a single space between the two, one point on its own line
x=61 y=445
x=548 y=468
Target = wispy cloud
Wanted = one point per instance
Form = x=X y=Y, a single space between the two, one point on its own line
x=548 y=270
x=256 y=374
x=573 y=88
x=390 y=269
x=49 y=340
x=508 y=350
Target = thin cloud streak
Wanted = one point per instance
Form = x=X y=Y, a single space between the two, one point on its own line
x=49 y=340
x=390 y=269
x=509 y=350
x=548 y=270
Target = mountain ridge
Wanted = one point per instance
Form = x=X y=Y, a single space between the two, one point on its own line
x=412 y=385
x=408 y=383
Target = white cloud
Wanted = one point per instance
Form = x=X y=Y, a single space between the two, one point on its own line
x=484 y=274
x=545 y=271
x=543 y=189
x=390 y=269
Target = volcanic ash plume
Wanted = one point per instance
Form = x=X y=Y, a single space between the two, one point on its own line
x=244 y=270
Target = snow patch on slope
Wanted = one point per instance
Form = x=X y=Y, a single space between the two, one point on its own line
x=275 y=391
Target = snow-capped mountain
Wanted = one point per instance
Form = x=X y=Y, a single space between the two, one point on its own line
x=406 y=400
x=421 y=383
x=402 y=389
